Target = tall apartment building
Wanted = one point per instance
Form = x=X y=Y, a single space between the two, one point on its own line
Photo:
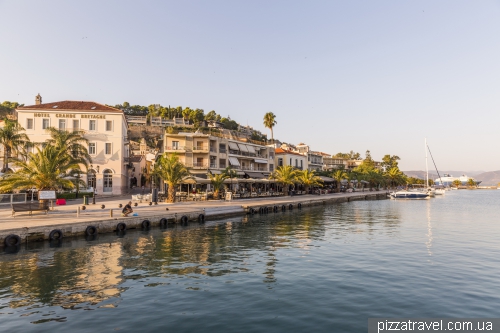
x=203 y=153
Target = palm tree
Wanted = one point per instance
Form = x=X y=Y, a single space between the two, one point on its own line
x=230 y=173
x=72 y=143
x=308 y=178
x=395 y=176
x=270 y=122
x=46 y=169
x=374 y=177
x=285 y=175
x=217 y=182
x=457 y=183
x=471 y=182
x=11 y=138
x=172 y=171
x=339 y=175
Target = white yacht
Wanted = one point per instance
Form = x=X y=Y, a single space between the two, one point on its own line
x=447 y=180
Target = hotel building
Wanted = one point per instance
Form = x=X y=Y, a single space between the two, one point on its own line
x=104 y=127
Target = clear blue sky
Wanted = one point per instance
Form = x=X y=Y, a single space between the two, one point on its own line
x=339 y=75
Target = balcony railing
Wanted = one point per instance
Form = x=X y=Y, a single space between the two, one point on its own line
x=213 y=165
x=200 y=148
x=213 y=149
x=182 y=148
x=240 y=153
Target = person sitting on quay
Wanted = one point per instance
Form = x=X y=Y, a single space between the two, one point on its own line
x=127 y=209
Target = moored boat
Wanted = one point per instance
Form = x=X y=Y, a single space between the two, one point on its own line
x=409 y=195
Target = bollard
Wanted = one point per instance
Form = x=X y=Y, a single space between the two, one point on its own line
x=110 y=213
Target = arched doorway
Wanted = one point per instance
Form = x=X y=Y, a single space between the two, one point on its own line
x=107 y=181
x=91 y=179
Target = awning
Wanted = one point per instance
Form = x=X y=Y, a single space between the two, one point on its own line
x=240 y=173
x=255 y=175
x=233 y=146
x=243 y=147
x=251 y=150
x=259 y=160
x=215 y=172
x=326 y=179
x=234 y=161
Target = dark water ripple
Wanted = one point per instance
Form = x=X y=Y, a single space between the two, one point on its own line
x=322 y=269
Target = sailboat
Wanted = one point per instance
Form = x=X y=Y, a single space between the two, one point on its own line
x=438 y=191
x=426 y=193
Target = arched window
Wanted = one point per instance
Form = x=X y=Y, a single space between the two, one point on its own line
x=108 y=180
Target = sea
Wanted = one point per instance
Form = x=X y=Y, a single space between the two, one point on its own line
x=318 y=269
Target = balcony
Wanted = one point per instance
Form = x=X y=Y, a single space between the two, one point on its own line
x=200 y=149
x=213 y=150
x=213 y=165
x=222 y=150
x=198 y=165
x=177 y=148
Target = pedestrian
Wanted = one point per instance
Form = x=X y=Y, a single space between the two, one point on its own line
x=127 y=209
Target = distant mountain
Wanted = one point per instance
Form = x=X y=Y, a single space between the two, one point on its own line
x=489 y=178
x=433 y=174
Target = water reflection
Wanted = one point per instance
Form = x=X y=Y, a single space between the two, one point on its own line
x=80 y=274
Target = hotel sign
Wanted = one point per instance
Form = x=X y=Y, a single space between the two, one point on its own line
x=70 y=115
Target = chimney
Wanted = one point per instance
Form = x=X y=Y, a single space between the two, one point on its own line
x=38 y=99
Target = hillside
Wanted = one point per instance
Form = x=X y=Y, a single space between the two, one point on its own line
x=433 y=175
x=489 y=178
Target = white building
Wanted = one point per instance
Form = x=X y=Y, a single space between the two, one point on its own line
x=105 y=128
x=288 y=157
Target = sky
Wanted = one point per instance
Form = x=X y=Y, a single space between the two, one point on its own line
x=339 y=75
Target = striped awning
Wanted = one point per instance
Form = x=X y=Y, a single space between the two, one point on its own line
x=251 y=149
x=233 y=146
x=234 y=161
x=243 y=147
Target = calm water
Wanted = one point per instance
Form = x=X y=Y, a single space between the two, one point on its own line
x=322 y=269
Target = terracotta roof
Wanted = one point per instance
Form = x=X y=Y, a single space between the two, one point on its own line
x=283 y=151
x=72 y=106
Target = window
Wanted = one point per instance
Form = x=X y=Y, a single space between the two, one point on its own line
x=109 y=125
x=290 y=161
x=175 y=145
x=92 y=125
x=76 y=125
x=107 y=148
x=271 y=167
x=280 y=161
x=62 y=124
x=92 y=148
x=301 y=165
x=29 y=123
x=45 y=123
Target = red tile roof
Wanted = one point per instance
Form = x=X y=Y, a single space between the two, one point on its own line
x=283 y=151
x=72 y=106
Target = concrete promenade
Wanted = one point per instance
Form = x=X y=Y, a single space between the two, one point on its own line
x=39 y=225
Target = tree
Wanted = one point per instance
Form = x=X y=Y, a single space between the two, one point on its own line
x=12 y=138
x=72 y=143
x=308 y=178
x=285 y=176
x=395 y=176
x=7 y=108
x=471 y=182
x=230 y=173
x=217 y=182
x=339 y=175
x=389 y=162
x=270 y=122
x=374 y=177
x=457 y=183
x=172 y=171
x=46 y=169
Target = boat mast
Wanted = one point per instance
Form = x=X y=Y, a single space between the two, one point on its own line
x=426 y=166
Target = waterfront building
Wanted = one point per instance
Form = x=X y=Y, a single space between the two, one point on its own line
x=289 y=157
x=104 y=127
x=314 y=158
x=332 y=162
x=212 y=153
